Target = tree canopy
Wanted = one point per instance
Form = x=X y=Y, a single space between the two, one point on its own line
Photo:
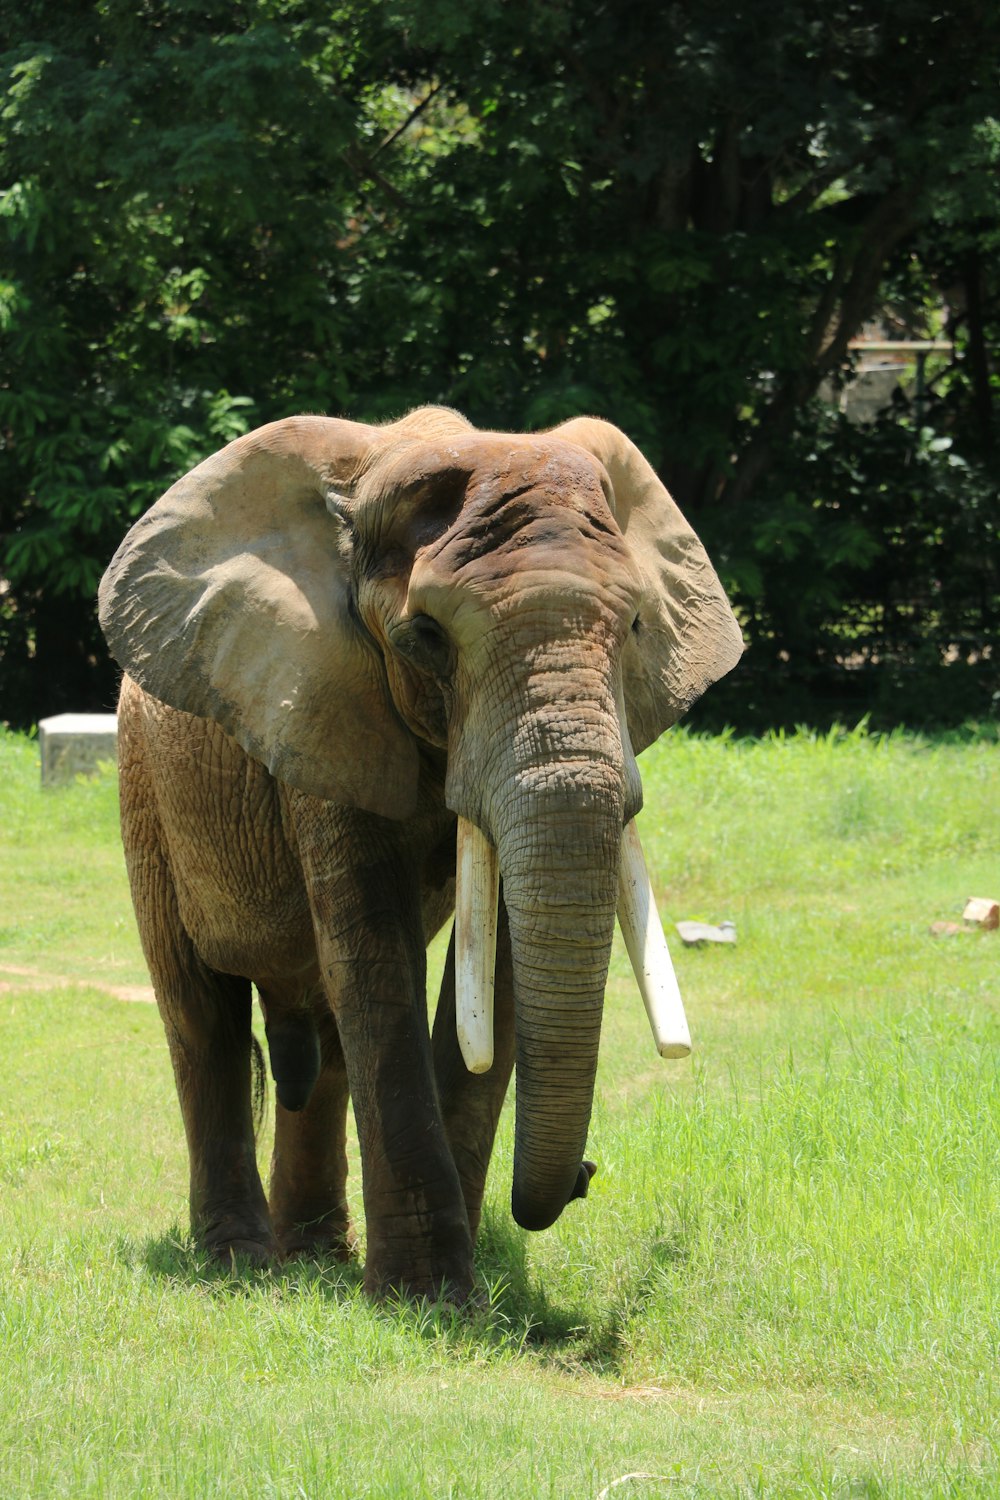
x=677 y=217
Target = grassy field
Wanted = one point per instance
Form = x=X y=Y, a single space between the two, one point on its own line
x=784 y=1281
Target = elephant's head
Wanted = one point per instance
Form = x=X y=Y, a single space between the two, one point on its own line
x=339 y=597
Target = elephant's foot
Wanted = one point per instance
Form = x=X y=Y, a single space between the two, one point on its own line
x=255 y=1253
x=232 y=1239
x=331 y=1235
x=410 y=1266
x=453 y=1291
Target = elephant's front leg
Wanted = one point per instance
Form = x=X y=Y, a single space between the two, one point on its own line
x=370 y=940
x=471 y=1102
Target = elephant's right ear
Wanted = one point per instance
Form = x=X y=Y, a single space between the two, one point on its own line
x=231 y=599
x=688 y=636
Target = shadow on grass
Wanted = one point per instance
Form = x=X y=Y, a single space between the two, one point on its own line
x=175 y=1257
x=511 y=1313
x=585 y=1338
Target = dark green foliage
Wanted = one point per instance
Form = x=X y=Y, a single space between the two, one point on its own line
x=867 y=561
x=213 y=215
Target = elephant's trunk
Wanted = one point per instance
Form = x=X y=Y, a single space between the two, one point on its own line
x=552 y=786
x=560 y=876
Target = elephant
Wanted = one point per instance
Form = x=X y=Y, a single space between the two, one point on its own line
x=342 y=643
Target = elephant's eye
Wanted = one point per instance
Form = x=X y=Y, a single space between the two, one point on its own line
x=635 y=626
x=423 y=642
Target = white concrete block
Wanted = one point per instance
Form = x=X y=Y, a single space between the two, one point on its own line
x=72 y=744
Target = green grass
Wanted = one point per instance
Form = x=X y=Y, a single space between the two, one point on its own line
x=783 y=1282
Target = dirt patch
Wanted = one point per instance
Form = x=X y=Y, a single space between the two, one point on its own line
x=19 y=977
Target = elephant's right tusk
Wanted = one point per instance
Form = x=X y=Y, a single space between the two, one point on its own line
x=477 y=890
x=647 y=948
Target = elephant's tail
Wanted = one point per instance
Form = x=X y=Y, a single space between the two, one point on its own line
x=258 y=1085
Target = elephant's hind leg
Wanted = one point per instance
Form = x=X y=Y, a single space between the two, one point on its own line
x=208 y=1030
x=206 y=1016
x=308 y=1193
x=207 y=1021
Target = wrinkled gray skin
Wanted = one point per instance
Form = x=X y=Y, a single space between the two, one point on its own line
x=337 y=638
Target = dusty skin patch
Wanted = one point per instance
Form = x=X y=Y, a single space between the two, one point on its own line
x=19 y=977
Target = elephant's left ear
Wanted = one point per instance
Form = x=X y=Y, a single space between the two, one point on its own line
x=231 y=599
x=687 y=636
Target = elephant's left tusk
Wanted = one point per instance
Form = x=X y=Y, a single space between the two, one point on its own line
x=647 y=948
x=477 y=890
